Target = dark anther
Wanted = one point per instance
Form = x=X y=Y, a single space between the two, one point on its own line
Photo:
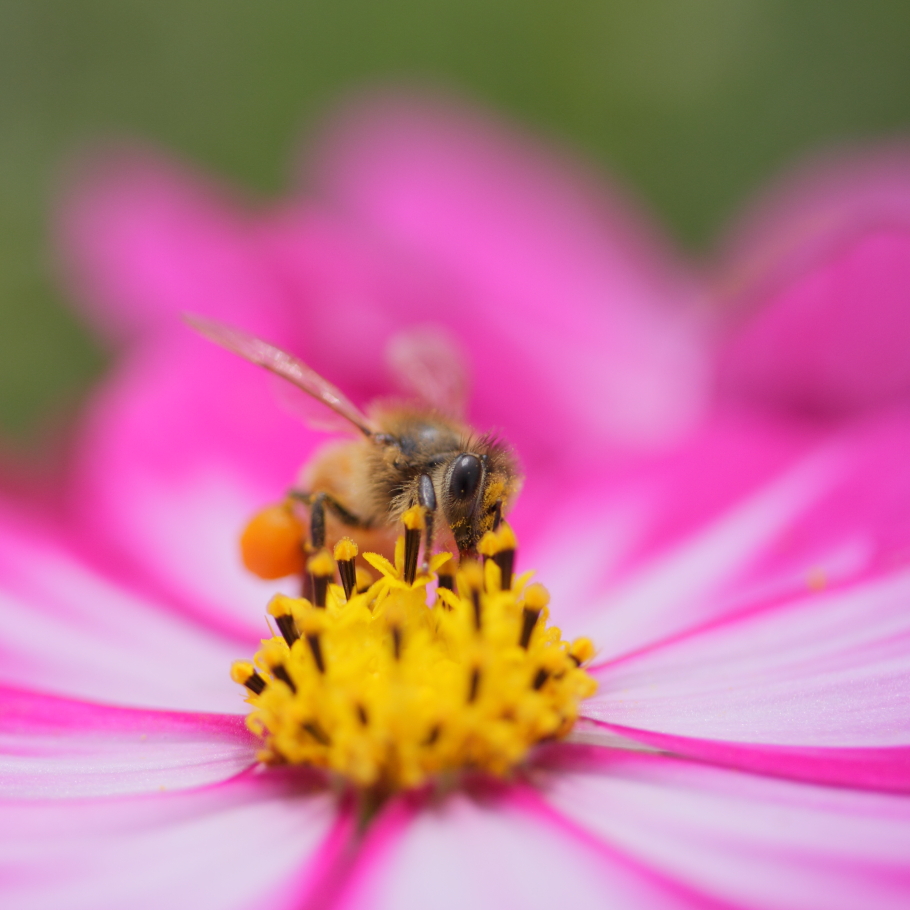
x=433 y=735
x=541 y=677
x=317 y=521
x=464 y=477
x=362 y=714
x=321 y=569
x=505 y=559
x=316 y=650
x=411 y=551
x=256 y=684
x=312 y=727
x=348 y=574
x=280 y=672
x=474 y=684
x=446 y=580
x=320 y=589
x=288 y=628
x=575 y=660
x=528 y=621
x=475 y=600
x=396 y=642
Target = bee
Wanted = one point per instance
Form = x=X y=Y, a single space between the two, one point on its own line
x=405 y=455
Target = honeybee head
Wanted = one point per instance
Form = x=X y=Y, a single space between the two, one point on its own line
x=477 y=487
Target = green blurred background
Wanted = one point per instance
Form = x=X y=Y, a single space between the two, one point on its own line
x=694 y=103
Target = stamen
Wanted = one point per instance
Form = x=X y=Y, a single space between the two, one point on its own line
x=445 y=579
x=280 y=610
x=312 y=622
x=505 y=558
x=244 y=673
x=414 y=523
x=345 y=554
x=535 y=602
x=312 y=727
x=474 y=684
x=391 y=689
x=280 y=672
x=316 y=650
x=506 y=562
x=364 y=579
x=473 y=576
x=529 y=619
x=274 y=654
x=322 y=571
x=582 y=651
x=499 y=545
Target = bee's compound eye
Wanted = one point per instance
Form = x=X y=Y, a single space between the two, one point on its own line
x=465 y=477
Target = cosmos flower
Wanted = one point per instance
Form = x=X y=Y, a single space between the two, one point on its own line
x=738 y=548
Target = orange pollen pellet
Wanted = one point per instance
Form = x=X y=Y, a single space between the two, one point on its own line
x=271 y=544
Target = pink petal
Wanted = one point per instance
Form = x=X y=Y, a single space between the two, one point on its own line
x=749 y=509
x=556 y=288
x=249 y=842
x=67 y=628
x=502 y=852
x=742 y=840
x=826 y=669
x=145 y=240
x=886 y=769
x=54 y=747
x=820 y=274
x=185 y=443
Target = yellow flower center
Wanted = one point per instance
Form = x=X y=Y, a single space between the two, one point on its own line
x=390 y=685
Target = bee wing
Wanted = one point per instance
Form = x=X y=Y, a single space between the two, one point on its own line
x=281 y=364
x=428 y=363
x=307 y=409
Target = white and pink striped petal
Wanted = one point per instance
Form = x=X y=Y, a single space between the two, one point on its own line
x=738 y=839
x=69 y=627
x=247 y=843
x=53 y=747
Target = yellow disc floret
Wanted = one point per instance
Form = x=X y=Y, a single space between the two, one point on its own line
x=392 y=685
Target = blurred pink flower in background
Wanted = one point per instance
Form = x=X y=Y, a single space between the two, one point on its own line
x=718 y=496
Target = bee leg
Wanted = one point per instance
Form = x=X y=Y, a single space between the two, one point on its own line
x=316 y=502
x=317 y=521
x=426 y=496
x=497 y=514
x=346 y=517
